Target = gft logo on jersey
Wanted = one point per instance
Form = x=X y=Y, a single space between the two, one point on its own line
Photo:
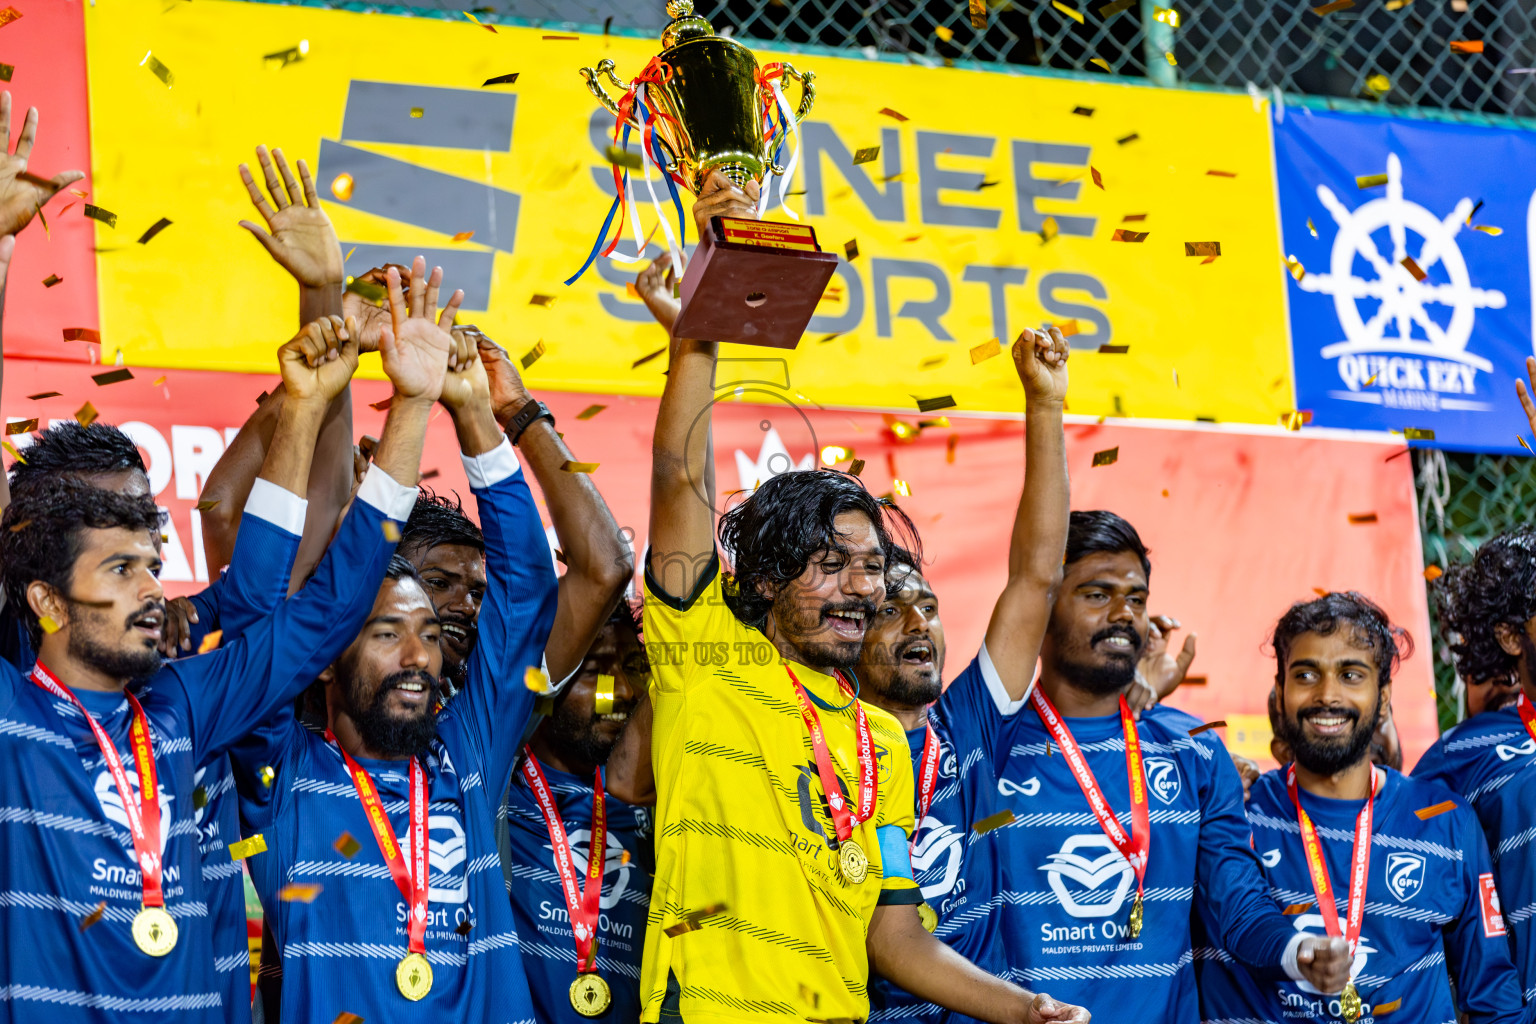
x=937 y=849
x=1093 y=883
x=1405 y=875
x=1162 y=778
x=112 y=805
x=614 y=860
x=445 y=855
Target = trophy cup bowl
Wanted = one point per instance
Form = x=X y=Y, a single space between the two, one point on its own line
x=750 y=281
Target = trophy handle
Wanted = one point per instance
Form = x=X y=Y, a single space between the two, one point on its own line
x=604 y=67
x=807 y=82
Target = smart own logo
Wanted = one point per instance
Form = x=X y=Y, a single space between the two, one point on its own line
x=1089 y=876
x=614 y=861
x=446 y=853
x=112 y=805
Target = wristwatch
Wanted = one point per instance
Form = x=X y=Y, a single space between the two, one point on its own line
x=533 y=410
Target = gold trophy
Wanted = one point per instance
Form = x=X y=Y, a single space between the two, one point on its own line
x=707 y=105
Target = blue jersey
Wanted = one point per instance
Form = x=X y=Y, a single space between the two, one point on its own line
x=1508 y=817
x=65 y=851
x=1479 y=756
x=1429 y=904
x=1069 y=891
x=339 y=951
x=958 y=871
x=538 y=902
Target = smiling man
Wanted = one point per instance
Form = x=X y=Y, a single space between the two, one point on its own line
x=1394 y=865
x=1115 y=821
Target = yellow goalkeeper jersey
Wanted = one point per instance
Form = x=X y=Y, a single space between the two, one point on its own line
x=743 y=829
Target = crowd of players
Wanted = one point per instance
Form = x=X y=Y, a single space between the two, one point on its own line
x=467 y=786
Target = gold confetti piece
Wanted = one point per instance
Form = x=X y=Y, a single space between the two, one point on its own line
x=347 y=845
x=112 y=377
x=682 y=928
x=856 y=467
x=1488 y=229
x=623 y=158
x=1433 y=572
x=1101 y=62
x=48 y=624
x=1097 y=178
x=832 y=454
x=943 y=33
x=536 y=679
x=561 y=39
x=532 y=355
x=8 y=15
x=20 y=427
x=1170 y=17
x=1297 y=908
x=248 y=847
x=1172 y=60
x=417 y=112
x=1435 y=810
x=210 y=641
x=379 y=406
x=1208 y=259
x=502 y=80
x=1382 y=1009
x=902 y=431
x=1370 y=180
x=107 y=217
x=43 y=394
x=1413 y=268
x=1310 y=229
x=298 y=892
x=1397 y=5
x=101 y=908
x=986 y=350
x=1068 y=328
x=463 y=236
x=645 y=359
x=578 y=467
x=391 y=531
x=477 y=21
x=979 y=15
x=590 y=411
x=266 y=775
x=160 y=70
x=347 y=1018
x=85 y=334
x=1295 y=419
x=341 y=187
x=542 y=300
x=14 y=453
x=1070 y=12
x=867 y=155
x=1220 y=723
x=86 y=414
x=1336 y=5
x=292 y=55
x=602 y=695
x=993 y=821
x=1202 y=248
x=898 y=115
x=902 y=488
x=851 y=248
x=1083 y=111
x=1123 y=235
x=932 y=362
x=1466 y=46
x=1294 y=266
x=1419 y=434
x=154 y=229
x=1361 y=518
x=1049 y=229
x=1132 y=218
x=1379 y=85
x=51 y=280
x=932 y=404
x=465 y=927
x=810 y=995
x=1114 y=350
x=1525 y=446
x=1107 y=457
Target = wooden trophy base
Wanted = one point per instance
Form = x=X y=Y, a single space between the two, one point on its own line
x=753 y=282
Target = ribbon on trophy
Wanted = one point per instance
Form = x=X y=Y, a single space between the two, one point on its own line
x=776 y=133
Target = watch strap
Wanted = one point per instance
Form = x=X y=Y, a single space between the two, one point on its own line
x=525 y=417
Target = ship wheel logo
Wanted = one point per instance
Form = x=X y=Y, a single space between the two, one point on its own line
x=1394 y=311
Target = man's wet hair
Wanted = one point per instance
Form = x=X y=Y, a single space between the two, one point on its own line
x=772 y=536
x=438 y=519
x=67 y=448
x=1370 y=628
x=43 y=531
x=1100 y=531
x=1498 y=586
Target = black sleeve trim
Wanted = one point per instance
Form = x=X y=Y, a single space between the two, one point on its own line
x=705 y=578
x=900 y=897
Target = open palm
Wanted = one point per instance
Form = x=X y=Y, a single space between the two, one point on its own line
x=22 y=197
x=301 y=238
x=416 y=347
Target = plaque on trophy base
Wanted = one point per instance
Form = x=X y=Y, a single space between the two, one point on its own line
x=753 y=282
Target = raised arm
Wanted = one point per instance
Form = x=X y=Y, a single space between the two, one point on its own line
x=597 y=559
x=1039 y=539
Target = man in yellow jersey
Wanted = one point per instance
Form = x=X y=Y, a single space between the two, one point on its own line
x=784 y=804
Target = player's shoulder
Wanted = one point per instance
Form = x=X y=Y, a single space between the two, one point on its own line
x=1428 y=805
x=1470 y=738
x=1178 y=733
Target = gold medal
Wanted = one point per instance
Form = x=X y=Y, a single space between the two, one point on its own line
x=590 y=995
x=413 y=977
x=928 y=916
x=1133 y=926
x=852 y=862
x=154 y=931
x=1349 y=1003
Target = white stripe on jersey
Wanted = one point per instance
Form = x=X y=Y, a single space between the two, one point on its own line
x=49 y=901
x=1115 y=744
x=1077 y=819
x=116 y=1004
x=568 y=955
x=1105 y=971
x=1261 y=820
x=234 y=961
x=36 y=733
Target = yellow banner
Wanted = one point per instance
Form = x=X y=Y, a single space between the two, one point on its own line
x=950 y=220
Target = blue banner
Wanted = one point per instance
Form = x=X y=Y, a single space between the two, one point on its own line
x=1406 y=316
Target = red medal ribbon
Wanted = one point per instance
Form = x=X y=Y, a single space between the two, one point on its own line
x=143 y=814
x=1135 y=847
x=412 y=883
x=1317 y=867
x=581 y=904
x=1527 y=714
x=927 y=774
x=843 y=820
